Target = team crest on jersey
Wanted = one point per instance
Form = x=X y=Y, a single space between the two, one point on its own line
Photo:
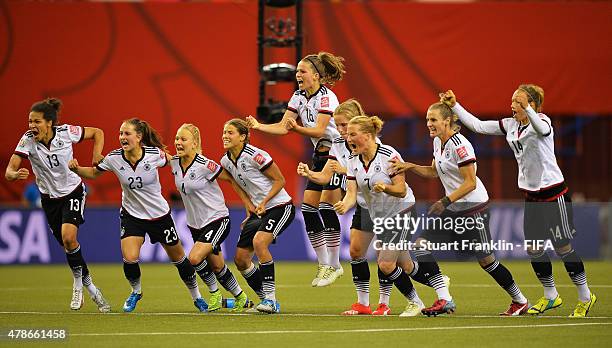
x=377 y=168
x=462 y=152
x=60 y=143
x=147 y=167
x=212 y=166
x=259 y=158
x=447 y=154
x=325 y=102
x=243 y=166
x=192 y=175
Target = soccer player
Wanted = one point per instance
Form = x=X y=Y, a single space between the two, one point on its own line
x=143 y=208
x=548 y=207
x=386 y=197
x=208 y=220
x=49 y=149
x=314 y=104
x=257 y=174
x=465 y=198
x=361 y=233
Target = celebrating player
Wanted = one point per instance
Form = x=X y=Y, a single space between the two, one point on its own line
x=257 y=174
x=455 y=164
x=314 y=104
x=143 y=208
x=548 y=207
x=386 y=197
x=49 y=149
x=207 y=216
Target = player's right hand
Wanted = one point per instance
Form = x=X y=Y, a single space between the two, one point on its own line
x=398 y=166
x=340 y=207
x=73 y=165
x=22 y=174
x=303 y=170
x=448 y=98
x=252 y=122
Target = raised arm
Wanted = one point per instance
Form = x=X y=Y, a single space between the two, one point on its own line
x=469 y=120
x=279 y=128
x=314 y=132
x=84 y=172
x=422 y=171
x=13 y=172
x=98 y=138
x=541 y=127
x=322 y=178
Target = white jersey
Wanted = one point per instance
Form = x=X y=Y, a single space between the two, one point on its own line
x=50 y=164
x=341 y=153
x=202 y=196
x=247 y=169
x=141 y=194
x=449 y=157
x=379 y=204
x=324 y=101
x=535 y=154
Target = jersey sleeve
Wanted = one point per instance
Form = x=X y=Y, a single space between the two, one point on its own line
x=160 y=159
x=350 y=171
x=505 y=124
x=262 y=160
x=212 y=170
x=464 y=154
x=23 y=147
x=294 y=102
x=75 y=133
x=106 y=164
x=327 y=104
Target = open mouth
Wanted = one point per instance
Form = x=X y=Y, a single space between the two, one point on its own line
x=123 y=142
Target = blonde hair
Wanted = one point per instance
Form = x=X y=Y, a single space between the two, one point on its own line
x=368 y=124
x=195 y=132
x=535 y=94
x=329 y=67
x=350 y=108
x=447 y=114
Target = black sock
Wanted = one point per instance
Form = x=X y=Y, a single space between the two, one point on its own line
x=255 y=280
x=402 y=282
x=574 y=267
x=542 y=267
x=267 y=275
x=77 y=263
x=385 y=285
x=426 y=267
x=132 y=273
x=205 y=272
x=361 y=275
x=186 y=272
x=228 y=281
x=503 y=277
x=314 y=226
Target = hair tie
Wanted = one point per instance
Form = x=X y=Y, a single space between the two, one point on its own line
x=315 y=66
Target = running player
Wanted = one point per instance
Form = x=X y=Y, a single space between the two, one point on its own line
x=143 y=208
x=257 y=174
x=49 y=149
x=387 y=197
x=548 y=207
x=314 y=104
x=465 y=198
x=207 y=216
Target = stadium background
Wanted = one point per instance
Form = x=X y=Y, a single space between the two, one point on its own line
x=196 y=62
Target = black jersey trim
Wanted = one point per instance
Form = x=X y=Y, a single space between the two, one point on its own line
x=326 y=112
x=195 y=158
x=48 y=146
x=21 y=154
x=501 y=126
x=249 y=150
x=235 y=162
x=100 y=168
x=291 y=109
x=135 y=165
x=350 y=178
x=214 y=177
x=549 y=128
x=339 y=140
x=546 y=193
x=466 y=162
x=266 y=166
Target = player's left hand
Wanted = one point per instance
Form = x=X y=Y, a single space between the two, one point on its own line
x=261 y=209
x=340 y=207
x=379 y=187
x=436 y=208
x=290 y=123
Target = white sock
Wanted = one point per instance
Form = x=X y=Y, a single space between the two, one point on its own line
x=322 y=255
x=333 y=254
x=444 y=294
x=550 y=292
x=363 y=298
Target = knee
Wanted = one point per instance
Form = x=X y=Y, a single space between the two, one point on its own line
x=260 y=243
x=241 y=262
x=70 y=243
x=563 y=250
x=487 y=260
x=194 y=259
x=386 y=267
x=356 y=252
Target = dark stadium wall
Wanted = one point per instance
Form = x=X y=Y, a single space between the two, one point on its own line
x=197 y=62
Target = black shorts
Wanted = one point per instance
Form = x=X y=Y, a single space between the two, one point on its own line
x=274 y=221
x=160 y=230
x=469 y=230
x=362 y=220
x=64 y=210
x=318 y=162
x=213 y=233
x=550 y=220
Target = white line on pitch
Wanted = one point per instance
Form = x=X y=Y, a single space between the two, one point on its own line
x=174 y=333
